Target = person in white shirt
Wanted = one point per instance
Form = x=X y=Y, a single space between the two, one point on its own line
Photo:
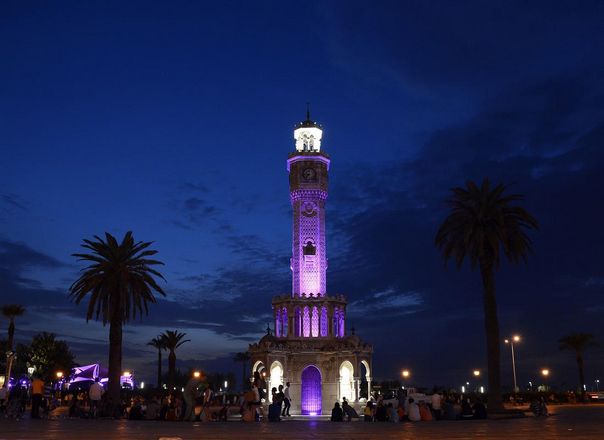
x=436 y=405
x=286 y=401
x=413 y=411
x=95 y=393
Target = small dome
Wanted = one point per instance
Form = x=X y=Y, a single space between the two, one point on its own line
x=267 y=339
x=307 y=123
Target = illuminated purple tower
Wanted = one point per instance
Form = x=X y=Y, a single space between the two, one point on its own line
x=309 y=347
x=308 y=171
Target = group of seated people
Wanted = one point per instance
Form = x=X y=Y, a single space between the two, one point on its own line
x=410 y=410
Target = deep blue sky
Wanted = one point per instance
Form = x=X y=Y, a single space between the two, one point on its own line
x=174 y=120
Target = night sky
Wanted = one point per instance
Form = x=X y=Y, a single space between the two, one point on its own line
x=174 y=120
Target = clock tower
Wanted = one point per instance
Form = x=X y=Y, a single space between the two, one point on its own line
x=308 y=169
x=310 y=347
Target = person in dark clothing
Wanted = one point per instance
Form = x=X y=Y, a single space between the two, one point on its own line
x=480 y=411
x=466 y=410
x=381 y=414
x=337 y=415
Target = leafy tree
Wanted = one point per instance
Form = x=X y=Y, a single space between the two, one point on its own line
x=242 y=357
x=482 y=223
x=47 y=356
x=578 y=342
x=160 y=344
x=11 y=311
x=119 y=283
x=173 y=340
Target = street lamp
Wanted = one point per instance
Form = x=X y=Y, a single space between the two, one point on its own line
x=597 y=384
x=59 y=375
x=476 y=373
x=405 y=374
x=511 y=341
x=196 y=374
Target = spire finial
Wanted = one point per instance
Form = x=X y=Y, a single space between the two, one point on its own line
x=308 y=111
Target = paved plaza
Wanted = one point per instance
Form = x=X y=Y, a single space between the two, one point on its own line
x=576 y=422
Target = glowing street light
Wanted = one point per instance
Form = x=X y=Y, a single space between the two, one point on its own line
x=511 y=341
x=196 y=374
x=59 y=375
x=597 y=384
x=476 y=373
x=545 y=372
x=405 y=374
x=127 y=374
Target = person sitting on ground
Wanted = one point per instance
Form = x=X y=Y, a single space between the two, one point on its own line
x=337 y=415
x=368 y=412
x=413 y=411
x=392 y=413
x=348 y=410
x=380 y=412
x=466 y=410
x=480 y=410
x=424 y=412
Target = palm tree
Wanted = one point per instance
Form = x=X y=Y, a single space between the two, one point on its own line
x=11 y=311
x=159 y=343
x=173 y=340
x=242 y=357
x=578 y=342
x=119 y=282
x=482 y=223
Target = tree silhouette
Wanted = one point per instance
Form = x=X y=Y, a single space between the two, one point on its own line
x=242 y=357
x=483 y=223
x=173 y=340
x=11 y=311
x=160 y=344
x=578 y=342
x=119 y=285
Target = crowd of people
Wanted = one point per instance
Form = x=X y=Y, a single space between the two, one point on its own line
x=408 y=409
x=201 y=403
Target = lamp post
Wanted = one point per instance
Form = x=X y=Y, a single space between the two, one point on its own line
x=545 y=374
x=597 y=384
x=476 y=374
x=511 y=341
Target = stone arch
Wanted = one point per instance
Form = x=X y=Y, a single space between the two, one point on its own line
x=365 y=379
x=311 y=390
x=276 y=377
x=347 y=381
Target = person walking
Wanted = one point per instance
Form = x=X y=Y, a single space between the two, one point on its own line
x=95 y=394
x=37 y=390
x=286 y=401
x=190 y=395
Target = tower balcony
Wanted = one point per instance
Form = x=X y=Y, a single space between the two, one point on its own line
x=303 y=316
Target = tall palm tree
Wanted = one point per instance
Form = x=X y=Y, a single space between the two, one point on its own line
x=119 y=283
x=11 y=311
x=242 y=357
x=160 y=344
x=483 y=223
x=173 y=340
x=578 y=342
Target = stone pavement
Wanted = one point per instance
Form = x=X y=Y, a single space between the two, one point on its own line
x=572 y=422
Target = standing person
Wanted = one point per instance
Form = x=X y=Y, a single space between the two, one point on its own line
x=95 y=394
x=190 y=395
x=286 y=401
x=208 y=395
x=37 y=390
x=413 y=411
x=437 y=405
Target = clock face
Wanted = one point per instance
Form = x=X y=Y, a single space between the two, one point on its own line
x=309 y=174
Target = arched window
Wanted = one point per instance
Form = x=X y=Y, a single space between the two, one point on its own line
x=297 y=322
x=284 y=323
x=324 y=321
x=315 y=322
x=306 y=323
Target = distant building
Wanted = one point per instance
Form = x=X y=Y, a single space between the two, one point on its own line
x=309 y=347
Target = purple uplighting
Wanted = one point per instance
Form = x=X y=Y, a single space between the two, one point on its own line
x=311 y=391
